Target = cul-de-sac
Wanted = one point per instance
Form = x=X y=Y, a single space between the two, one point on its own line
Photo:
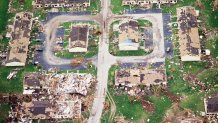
x=108 y=61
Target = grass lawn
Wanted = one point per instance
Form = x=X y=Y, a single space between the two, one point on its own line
x=4 y=108
x=194 y=102
x=143 y=23
x=105 y=116
x=213 y=46
x=213 y=18
x=209 y=76
x=139 y=52
x=162 y=104
x=177 y=85
x=212 y=15
x=14 y=85
x=40 y=13
x=4 y=43
x=131 y=111
x=92 y=51
x=95 y=6
x=26 y=6
x=194 y=67
x=3 y=14
x=111 y=74
x=117 y=7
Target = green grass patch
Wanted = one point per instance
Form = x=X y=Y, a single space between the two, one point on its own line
x=117 y=7
x=92 y=51
x=105 y=117
x=14 y=85
x=40 y=13
x=194 y=67
x=3 y=14
x=28 y=5
x=132 y=111
x=4 y=109
x=4 y=43
x=143 y=23
x=213 y=46
x=209 y=76
x=211 y=15
x=95 y=6
x=177 y=85
x=139 y=52
x=213 y=18
x=162 y=104
x=194 y=102
x=19 y=6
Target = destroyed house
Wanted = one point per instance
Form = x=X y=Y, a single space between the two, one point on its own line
x=74 y=83
x=36 y=109
x=53 y=96
x=68 y=108
x=33 y=81
x=39 y=107
x=60 y=3
x=188 y=34
x=18 y=46
x=135 y=77
x=78 y=39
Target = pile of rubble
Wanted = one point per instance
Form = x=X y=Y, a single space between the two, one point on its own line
x=55 y=96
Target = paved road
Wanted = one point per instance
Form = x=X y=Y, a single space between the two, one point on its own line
x=105 y=59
